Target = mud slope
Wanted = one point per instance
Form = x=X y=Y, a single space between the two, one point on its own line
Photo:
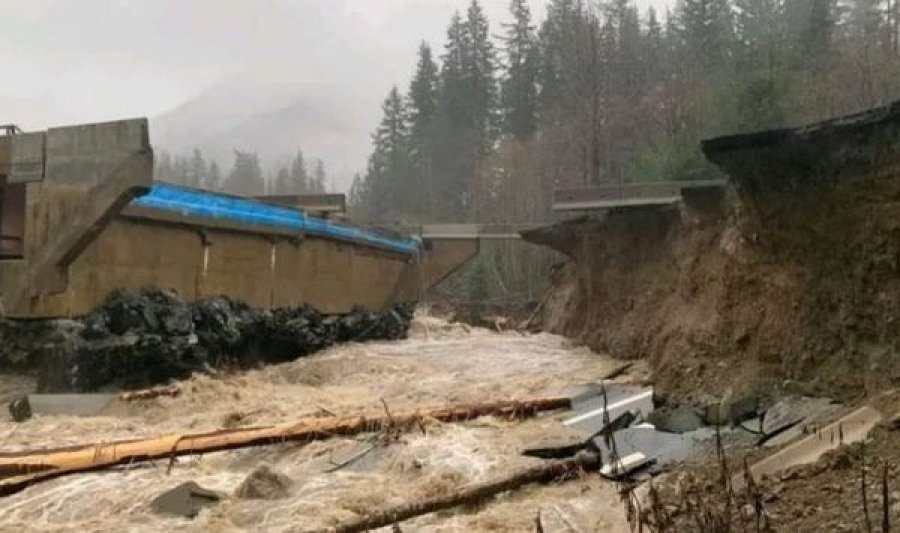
x=791 y=272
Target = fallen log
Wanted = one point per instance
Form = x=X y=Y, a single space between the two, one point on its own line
x=542 y=473
x=19 y=470
x=618 y=371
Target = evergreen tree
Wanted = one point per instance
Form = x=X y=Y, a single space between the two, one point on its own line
x=423 y=94
x=479 y=71
x=283 y=181
x=162 y=167
x=423 y=116
x=866 y=19
x=810 y=28
x=213 y=179
x=519 y=87
x=866 y=27
x=299 y=175
x=758 y=24
x=626 y=70
x=708 y=32
x=246 y=178
x=654 y=49
x=454 y=154
x=319 y=178
x=196 y=169
x=596 y=96
x=358 y=201
x=180 y=170
x=817 y=34
x=389 y=163
x=553 y=46
x=568 y=43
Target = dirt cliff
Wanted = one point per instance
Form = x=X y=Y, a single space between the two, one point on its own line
x=790 y=276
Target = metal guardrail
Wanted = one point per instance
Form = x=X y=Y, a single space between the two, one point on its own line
x=627 y=195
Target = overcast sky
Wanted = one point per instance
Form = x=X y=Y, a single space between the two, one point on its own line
x=70 y=61
x=76 y=61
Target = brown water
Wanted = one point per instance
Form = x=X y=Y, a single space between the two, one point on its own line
x=439 y=364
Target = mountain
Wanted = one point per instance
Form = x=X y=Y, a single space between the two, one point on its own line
x=273 y=119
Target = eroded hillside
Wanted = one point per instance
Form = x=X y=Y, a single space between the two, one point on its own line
x=787 y=277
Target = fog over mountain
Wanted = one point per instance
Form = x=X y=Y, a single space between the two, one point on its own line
x=262 y=75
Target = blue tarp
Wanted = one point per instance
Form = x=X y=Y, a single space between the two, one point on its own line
x=204 y=204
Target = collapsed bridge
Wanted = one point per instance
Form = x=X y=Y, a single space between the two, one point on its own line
x=81 y=216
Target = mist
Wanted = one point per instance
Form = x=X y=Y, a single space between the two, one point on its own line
x=269 y=76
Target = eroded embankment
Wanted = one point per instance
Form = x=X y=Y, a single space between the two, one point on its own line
x=791 y=272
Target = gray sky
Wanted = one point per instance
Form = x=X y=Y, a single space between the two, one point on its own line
x=72 y=61
x=84 y=60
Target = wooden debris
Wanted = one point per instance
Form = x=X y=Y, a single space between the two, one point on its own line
x=149 y=394
x=356 y=457
x=537 y=309
x=467 y=495
x=18 y=470
x=618 y=371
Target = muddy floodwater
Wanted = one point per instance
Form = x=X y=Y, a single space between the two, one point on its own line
x=440 y=363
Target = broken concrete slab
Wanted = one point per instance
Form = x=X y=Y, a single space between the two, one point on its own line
x=732 y=411
x=782 y=422
x=852 y=428
x=590 y=394
x=555 y=450
x=186 y=500
x=795 y=408
x=590 y=412
x=625 y=466
x=681 y=419
x=665 y=448
x=562 y=450
x=62 y=405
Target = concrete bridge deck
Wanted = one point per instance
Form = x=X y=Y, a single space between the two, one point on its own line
x=628 y=194
x=472 y=231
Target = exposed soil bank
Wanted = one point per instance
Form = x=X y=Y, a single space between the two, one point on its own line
x=792 y=272
x=145 y=338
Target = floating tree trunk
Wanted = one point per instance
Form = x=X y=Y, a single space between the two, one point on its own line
x=21 y=469
x=542 y=473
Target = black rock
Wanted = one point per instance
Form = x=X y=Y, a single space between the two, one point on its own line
x=676 y=420
x=186 y=500
x=20 y=409
x=264 y=484
x=140 y=339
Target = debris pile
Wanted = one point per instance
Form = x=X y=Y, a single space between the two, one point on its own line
x=21 y=342
x=138 y=339
x=635 y=439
